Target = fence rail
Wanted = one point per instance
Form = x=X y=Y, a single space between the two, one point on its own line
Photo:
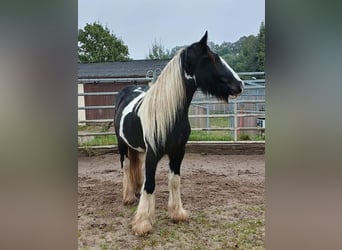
x=247 y=106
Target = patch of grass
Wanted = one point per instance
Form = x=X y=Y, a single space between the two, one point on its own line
x=257 y=208
x=194 y=136
x=219 y=122
x=107 y=246
x=83 y=127
x=210 y=136
x=248 y=233
x=89 y=128
x=103 y=246
x=247 y=137
x=204 y=231
x=244 y=137
x=259 y=137
x=131 y=210
x=101 y=140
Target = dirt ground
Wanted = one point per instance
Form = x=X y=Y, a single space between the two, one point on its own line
x=223 y=193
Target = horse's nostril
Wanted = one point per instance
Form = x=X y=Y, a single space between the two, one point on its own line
x=240 y=87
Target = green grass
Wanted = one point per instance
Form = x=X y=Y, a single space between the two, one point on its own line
x=219 y=122
x=205 y=232
x=194 y=136
x=101 y=140
x=210 y=136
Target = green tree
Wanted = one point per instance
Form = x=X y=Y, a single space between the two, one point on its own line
x=97 y=44
x=175 y=49
x=261 y=48
x=246 y=54
x=247 y=58
x=158 y=51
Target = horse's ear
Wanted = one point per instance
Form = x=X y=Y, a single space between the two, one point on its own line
x=204 y=39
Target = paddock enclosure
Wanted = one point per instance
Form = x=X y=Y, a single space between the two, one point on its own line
x=225 y=195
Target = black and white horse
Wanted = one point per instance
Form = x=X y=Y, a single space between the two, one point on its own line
x=153 y=121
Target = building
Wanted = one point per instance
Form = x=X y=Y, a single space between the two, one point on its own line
x=111 y=77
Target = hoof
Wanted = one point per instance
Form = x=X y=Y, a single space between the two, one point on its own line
x=141 y=227
x=179 y=215
x=130 y=200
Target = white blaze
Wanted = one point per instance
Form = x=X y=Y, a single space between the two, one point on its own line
x=230 y=69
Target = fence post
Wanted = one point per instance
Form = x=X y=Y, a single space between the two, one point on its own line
x=207 y=121
x=235 y=120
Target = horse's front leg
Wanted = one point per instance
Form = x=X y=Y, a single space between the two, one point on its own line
x=145 y=214
x=175 y=206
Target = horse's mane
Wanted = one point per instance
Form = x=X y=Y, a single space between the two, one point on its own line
x=162 y=102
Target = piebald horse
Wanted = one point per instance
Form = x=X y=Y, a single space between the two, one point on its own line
x=153 y=121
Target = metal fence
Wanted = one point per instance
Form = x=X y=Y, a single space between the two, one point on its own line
x=243 y=118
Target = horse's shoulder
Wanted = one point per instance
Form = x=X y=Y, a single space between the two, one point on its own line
x=128 y=93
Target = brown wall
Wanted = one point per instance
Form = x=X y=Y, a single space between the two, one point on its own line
x=103 y=100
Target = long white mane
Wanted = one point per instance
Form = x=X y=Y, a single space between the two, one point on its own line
x=162 y=102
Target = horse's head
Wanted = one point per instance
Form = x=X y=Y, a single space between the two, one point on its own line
x=210 y=72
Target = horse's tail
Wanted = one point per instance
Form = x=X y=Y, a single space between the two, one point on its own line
x=135 y=169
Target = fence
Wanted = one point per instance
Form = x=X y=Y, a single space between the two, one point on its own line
x=243 y=118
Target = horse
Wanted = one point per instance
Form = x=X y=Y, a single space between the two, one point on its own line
x=152 y=121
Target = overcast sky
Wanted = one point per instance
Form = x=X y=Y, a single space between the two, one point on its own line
x=173 y=22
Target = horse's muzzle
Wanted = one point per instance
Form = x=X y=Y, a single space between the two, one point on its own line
x=237 y=90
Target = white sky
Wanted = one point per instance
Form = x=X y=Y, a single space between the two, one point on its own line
x=173 y=22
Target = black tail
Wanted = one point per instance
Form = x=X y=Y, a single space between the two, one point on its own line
x=123 y=150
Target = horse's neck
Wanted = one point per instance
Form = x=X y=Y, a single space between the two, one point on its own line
x=190 y=91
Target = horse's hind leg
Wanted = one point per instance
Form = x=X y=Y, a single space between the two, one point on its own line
x=175 y=206
x=132 y=178
x=144 y=217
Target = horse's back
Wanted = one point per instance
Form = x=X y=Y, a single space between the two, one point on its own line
x=124 y=97
x=127 y=94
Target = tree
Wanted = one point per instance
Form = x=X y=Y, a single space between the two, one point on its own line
x=247 y=58
x=174 y=50
x=246 y=54
x=261 y=48
x=158 y=51
x=97 y=44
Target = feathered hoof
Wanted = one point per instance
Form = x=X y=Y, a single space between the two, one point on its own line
x=129 y=200
x=141 y=227
x=179 y=215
